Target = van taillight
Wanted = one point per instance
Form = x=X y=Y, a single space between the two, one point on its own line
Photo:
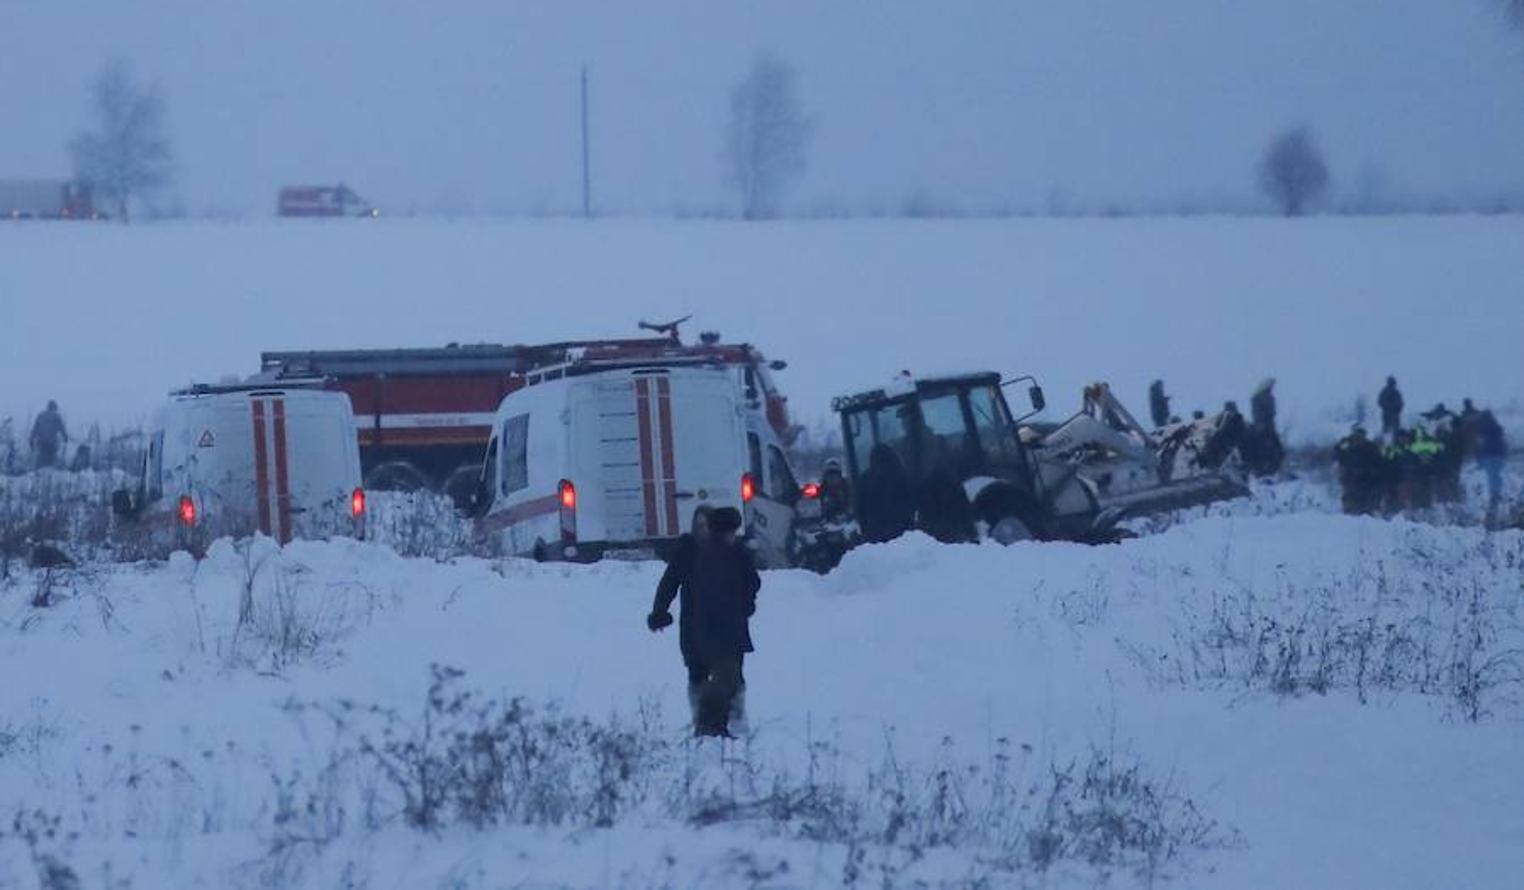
x=748 y=488
x=187 y=510
x=567 y=493
x=357 y=503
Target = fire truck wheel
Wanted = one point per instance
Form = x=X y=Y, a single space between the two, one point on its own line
x=396 y=475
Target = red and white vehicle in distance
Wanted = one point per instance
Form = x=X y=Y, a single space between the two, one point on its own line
x=424 y=415
x=46 y=199
x=322 y=200
x=597 y=462
x=234 y=460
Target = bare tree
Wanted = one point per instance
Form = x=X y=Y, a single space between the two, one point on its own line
x=768 y=136
x=1293 y=172
x=126 y=155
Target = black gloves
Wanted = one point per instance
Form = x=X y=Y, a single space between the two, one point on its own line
x=658 y=620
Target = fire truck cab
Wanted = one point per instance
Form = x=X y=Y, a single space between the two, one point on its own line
x=587 y=462
x=234 y=460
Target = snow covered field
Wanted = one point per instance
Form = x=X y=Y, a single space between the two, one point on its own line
x=1294 y=700
x=1329 y=306
x=1258 y=694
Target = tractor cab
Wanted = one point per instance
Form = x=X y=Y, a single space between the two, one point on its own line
x=949 y=438
x=959 y=425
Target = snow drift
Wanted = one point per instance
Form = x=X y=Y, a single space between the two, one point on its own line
x=1300 y=700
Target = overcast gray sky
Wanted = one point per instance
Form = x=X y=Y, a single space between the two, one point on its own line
x=470 y=105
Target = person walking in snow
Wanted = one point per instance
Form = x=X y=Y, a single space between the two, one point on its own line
x=1158 y=404
x=48 y=436
x=1491 y=450
x=1360 y=472
x=1390 y=402
x=712 y=576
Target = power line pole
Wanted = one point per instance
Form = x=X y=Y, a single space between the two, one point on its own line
x=587 y=176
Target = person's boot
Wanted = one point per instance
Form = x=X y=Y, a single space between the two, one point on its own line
x=713 y=714
x=737 y=723
x=695 y=702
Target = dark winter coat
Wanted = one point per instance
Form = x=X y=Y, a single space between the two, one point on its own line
x=835 y=496
x=1360 y=461
x=885 y=501
x=943 y=510
x=1262 y=409
x=716 y=587
x=1490 y=443
x=1390 y=402
x=48 y=432
x=1158 y=404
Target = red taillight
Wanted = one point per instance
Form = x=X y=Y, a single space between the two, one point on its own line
x=748 y=488
x=187 y=510
x=811 y=490
x=567 y=494
x=357 y=503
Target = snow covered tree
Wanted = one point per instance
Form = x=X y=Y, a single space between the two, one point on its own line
x=767 y=137
x=1293 y=172
x=126 y=155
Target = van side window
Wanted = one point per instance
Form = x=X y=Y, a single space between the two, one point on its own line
x=754 y=452
x=515 y=453
x=153 y=467
x=781 y=485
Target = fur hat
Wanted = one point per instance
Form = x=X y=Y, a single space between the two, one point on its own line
x=725 y=519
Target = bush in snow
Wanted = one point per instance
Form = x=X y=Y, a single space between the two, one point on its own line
x=464 y=760
x=1443 y=622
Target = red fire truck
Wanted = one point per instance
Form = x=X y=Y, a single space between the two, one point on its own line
x=425 y=415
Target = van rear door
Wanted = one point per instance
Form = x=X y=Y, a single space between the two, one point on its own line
x=304 y=465
x=652 y=447
x=321 y=464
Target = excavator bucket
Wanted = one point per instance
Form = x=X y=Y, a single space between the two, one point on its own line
x=1132 y=472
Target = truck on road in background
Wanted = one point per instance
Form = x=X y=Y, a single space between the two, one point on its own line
x=46 y=199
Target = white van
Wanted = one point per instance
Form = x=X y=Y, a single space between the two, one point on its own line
x=233 y=460
x=615 y=461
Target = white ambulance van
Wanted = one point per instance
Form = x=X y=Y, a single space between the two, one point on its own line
x=233 y=460
x=595 y=462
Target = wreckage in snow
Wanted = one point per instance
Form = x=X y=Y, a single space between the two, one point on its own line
x=1074 y=480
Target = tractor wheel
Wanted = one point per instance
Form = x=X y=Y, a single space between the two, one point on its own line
x=1008 y=530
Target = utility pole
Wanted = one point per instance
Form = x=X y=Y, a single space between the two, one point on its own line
x=587 y=177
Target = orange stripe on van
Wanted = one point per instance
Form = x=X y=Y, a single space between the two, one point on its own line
x=668 y=463
x=261 y=466
x=282 y=475
x=647 y=460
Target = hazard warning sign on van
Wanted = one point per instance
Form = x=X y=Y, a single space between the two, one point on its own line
x=207 y=440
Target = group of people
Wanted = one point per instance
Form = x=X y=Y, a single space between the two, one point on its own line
x=1415 y=467
x=1257 y=441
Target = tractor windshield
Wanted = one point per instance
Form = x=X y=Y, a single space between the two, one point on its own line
x=883 y=424
x=992 y=423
